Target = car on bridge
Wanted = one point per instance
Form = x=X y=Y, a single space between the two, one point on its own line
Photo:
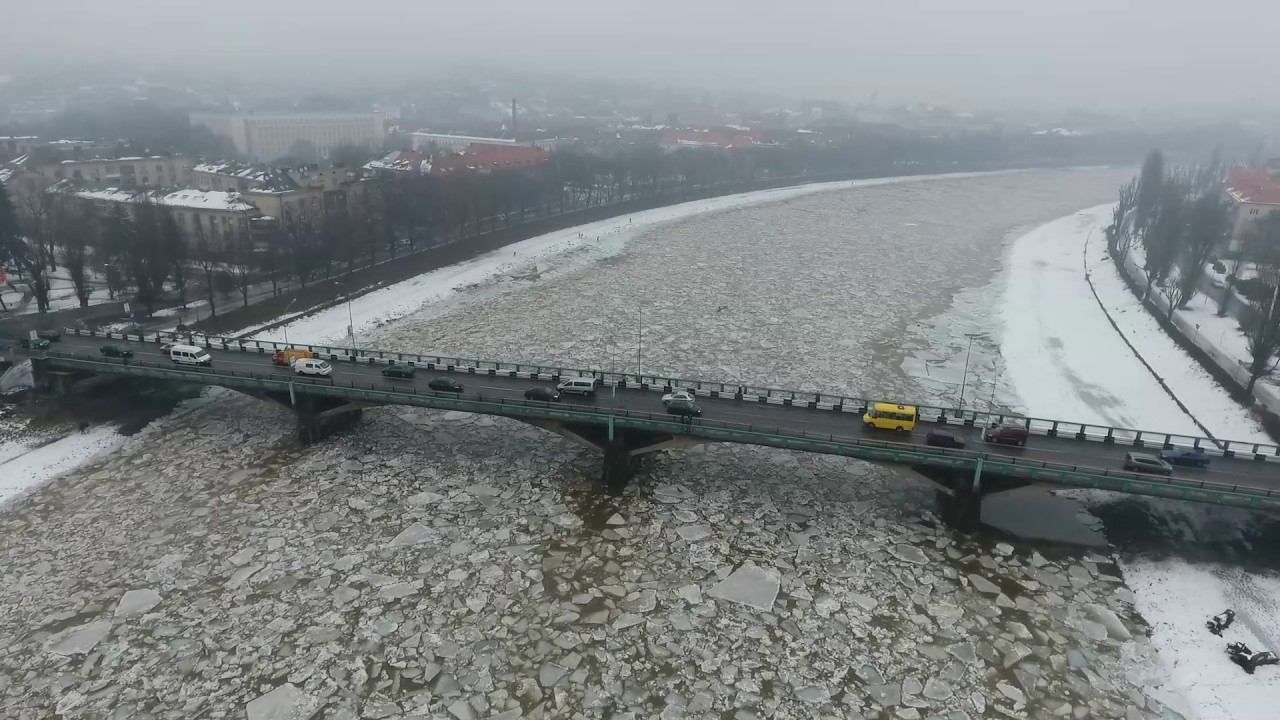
x=112 y=351
x=1146 y=463
x=444 y=384
x=681 y=395
x=1190 y=457
x=37 y=344
x=399 y=372
x=50 y=335
x=542 y=394
x=683 y=407
x=1006 y=435
x=943 y=439
x=313 y=367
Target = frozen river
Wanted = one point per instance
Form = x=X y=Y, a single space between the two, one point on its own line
x=444 y=565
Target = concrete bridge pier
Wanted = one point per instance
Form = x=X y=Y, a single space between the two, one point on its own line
x=960 y=493
x=622 y=448
x=319 y=417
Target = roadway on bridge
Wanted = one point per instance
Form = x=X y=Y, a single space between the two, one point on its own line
x=1241 y=470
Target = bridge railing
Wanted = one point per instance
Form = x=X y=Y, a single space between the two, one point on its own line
x=749 y=393
x=763 y=434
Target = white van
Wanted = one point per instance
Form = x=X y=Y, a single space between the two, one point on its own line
x=579 y=385
x=312 y=366
x=189 y=355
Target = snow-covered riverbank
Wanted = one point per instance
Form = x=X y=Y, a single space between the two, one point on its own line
x=1065 y=359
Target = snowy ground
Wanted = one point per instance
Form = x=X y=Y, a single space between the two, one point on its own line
x=24 y=466
x=1065 y=360
x=1063 y=355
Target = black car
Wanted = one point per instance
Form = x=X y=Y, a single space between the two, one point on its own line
x=542 y=394
x=684 y=408
x=445 y=385
x=939 y=438
x=112 y=351
x=37 y=344
x=404 y=372
x=50 y=335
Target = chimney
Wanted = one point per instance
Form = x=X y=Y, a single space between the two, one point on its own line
x=513 y=120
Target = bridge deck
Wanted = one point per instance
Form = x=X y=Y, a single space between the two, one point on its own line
x=1064 y=459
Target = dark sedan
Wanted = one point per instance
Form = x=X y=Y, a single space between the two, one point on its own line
x=112 y=351
x=401 y=372
x=445 y=385
x=50 y=335
x=939 y=438
x=37 y=344
x=542 y=394
x=1190 y=457
x=684 y=408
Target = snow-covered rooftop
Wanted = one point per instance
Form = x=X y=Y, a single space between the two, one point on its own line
x=186 y=198
x=266 y=179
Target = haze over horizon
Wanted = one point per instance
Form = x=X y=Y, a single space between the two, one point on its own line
x=980 y=53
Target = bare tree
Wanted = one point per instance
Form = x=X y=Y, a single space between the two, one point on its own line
x=81 y=223
x=26 y=239
x=1261 y=240
x=208 y=263
x=1262 y=329
x=1207 y=223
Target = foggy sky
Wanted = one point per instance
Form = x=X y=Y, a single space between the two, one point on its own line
x=1107 y=54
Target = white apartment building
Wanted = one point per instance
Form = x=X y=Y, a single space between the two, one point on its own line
x=269 y=136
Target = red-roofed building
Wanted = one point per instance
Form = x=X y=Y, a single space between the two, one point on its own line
x=487 y=158
x=1254 y=194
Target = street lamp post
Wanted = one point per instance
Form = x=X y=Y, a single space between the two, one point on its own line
x=965 y=378
x=285 y=327
x=639 y=344
x=351 y=325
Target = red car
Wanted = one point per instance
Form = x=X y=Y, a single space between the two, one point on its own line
x=1006 y=435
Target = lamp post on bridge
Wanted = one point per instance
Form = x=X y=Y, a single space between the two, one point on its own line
x=639 y=345
x=965 y=378
x=351 y=325
x=285 y=327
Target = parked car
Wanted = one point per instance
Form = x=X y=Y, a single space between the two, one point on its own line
x=1190 y=457
x=112 y=351
x=542 y=394
x=37 y=344
x=1006 y=435
x=684 y=408
x=1146 y=463
x=313 y=367
x=444 y=384
x=941 y=438
x=50 y=335
x=682 y=395
x=403 y=372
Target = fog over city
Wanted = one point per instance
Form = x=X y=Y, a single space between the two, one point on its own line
x=986 y=53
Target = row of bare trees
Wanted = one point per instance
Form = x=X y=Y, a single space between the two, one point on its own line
x=1180 y=219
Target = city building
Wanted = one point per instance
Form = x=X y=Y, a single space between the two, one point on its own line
x=15 y=146
x=1254 y=193
x=269 y=136
x=429 y=142
x=400 y=163
x=728 y=138
x=487 y=158
x=124 y=172
x=221 y=219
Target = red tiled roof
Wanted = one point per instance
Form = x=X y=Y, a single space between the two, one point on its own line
x=1253 y=185
x=490 y=157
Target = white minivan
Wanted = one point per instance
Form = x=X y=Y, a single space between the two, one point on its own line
x=579 y=385
x=312 y=366
x=189 y=355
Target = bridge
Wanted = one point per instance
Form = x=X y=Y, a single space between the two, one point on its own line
x=626 y=418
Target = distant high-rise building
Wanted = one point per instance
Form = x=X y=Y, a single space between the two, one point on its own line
x=306 y=136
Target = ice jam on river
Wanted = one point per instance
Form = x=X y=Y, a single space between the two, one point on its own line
x=431 y=564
